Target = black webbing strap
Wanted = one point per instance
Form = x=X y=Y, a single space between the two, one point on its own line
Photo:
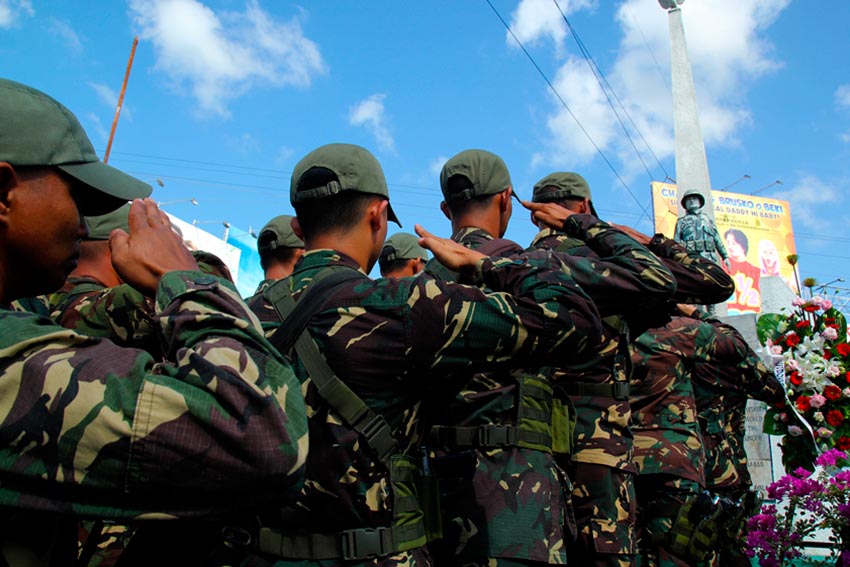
x=618 y=390
x=357 y=544
x=294 y=318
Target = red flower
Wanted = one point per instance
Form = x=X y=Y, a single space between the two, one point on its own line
x=792 y=340
x=810 y=308
x=803 y=404
x=847 y=377
x=843 y=443
x=827 y=354
x=834 y=418
x=796 y=379
x=802 y=325
x=843 y=349
x=832 y=392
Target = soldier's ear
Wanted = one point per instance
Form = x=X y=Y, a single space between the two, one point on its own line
x=8 y=182
x=296 y=228
x=445 y=208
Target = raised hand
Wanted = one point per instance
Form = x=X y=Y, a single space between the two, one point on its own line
x=151 y=249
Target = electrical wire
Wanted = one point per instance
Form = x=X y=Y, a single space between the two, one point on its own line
x=567 y=108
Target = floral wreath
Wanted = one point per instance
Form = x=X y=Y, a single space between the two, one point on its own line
x=812 y=358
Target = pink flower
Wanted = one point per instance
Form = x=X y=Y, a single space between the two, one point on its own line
x=823 y=432
x=826 y=305
x=829 y=334
x=794 y=431
x=817 y=401
x=798 y=301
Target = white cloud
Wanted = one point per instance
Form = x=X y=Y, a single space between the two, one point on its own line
x=842 y=96
x=12 y=10
x=218 y=56
x=811 y=198
x=370 y=114
x=96 y=124
x=67 y=34
x=110 y=98
x=727 y=51
x=436 y=166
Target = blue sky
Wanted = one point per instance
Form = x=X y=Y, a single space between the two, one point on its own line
x=226 y=96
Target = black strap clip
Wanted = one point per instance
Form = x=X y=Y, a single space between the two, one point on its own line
x=363 y=543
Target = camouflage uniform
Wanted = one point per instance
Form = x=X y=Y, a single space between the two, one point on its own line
x=108 y=432
x=425 y=336
x=668 y=445
x=618 y=273
x=722 y=388
x=501 y=500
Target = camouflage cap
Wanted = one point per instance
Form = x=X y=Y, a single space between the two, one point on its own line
x=100 y=227
x=278 y=233
x=356 y=169
x=486 y=172
x=562 y=185
x=402 y=246
x=38 y=131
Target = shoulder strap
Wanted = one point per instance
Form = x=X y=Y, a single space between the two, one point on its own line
x=372 y=426
x=312 y=299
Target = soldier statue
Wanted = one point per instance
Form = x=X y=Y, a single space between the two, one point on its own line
x=697 y=232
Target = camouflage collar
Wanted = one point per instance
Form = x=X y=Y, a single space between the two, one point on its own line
x=471 y=234
x=544 y=234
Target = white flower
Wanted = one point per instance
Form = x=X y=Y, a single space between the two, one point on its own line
x=818 y=416
x=832 y=370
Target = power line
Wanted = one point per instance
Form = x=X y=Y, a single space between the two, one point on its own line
x=567 y=108
x=664 y=77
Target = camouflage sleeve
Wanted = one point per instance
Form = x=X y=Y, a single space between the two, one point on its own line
x=625 y=270
x=739 y=368
x=698 y=279
x=530 y=314
x=121 y=314
x=105 y=430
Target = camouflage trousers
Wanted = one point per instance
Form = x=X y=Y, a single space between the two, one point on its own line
x=605 y=513
x=659 y=498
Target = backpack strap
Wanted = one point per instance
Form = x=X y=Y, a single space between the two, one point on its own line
x=372 y=426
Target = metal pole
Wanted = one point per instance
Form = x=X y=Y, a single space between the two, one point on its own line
x=120 y=99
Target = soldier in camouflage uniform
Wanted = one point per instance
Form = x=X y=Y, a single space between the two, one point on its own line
x=279 y=248
x=601 y=467
x=402 y=256
x=93 y=429
x=404 y=346
x=722 y=387
x=669 y=450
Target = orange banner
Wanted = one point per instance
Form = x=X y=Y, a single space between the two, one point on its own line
x=757 y=233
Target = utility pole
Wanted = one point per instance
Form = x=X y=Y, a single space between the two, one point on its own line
x=120 y=99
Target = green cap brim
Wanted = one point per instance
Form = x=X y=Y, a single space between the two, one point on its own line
x=391 y=215
x=115 y=185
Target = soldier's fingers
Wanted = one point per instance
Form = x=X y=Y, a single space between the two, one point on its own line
x=119 y=240
x=532 y=206
x=153 y=213
x=137 y=218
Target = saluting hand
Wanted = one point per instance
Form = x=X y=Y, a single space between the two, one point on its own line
x=151 y=249
x=449 y=253
x=549 y=214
